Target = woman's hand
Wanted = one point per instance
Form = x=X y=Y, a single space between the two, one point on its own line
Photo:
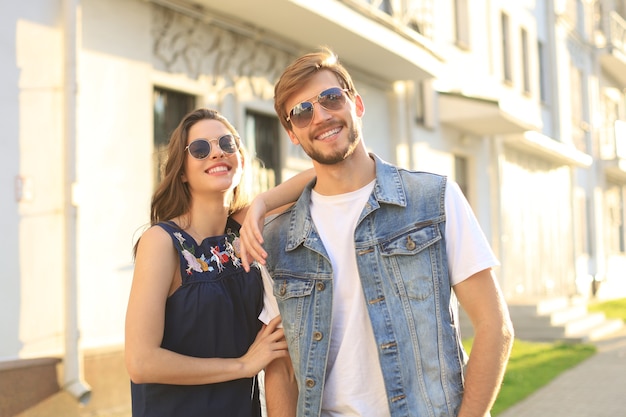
x=251 y=235
x=269 y=344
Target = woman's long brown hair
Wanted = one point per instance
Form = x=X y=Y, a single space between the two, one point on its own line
x=172 y=197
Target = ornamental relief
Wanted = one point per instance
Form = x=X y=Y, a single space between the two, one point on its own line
x=225 y=60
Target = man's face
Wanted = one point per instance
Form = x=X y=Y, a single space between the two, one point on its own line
x=332 y=135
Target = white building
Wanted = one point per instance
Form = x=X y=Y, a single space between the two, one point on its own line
x=521 y=102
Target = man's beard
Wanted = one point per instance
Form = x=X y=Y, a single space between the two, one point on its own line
x=337 y=155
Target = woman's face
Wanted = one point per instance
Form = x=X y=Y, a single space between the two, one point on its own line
x=219 y=170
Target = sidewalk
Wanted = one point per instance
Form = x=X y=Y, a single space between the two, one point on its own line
x=594 y=388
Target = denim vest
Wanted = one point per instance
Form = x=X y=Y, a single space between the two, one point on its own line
x=401 y=257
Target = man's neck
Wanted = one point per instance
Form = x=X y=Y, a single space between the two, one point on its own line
x=350 y=175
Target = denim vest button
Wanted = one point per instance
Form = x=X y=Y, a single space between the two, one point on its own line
x=310 y=383
x=317 y=336
x=320 y=286
x=410 y=245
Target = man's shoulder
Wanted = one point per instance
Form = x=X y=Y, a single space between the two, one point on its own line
x=421 y=174
x=422 y=178
x=386 y=166
x=278 y=219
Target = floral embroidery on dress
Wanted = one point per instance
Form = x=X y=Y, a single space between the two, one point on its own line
x=234 y=247
x=219 y=257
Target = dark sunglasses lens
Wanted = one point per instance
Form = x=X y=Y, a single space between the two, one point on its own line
x=332 y=99
x=228 y=144
x=199 y=149
x=302 y=114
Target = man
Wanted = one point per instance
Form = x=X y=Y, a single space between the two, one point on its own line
x=363 y=267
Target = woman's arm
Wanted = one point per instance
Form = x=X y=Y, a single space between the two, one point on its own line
x=156 y=265
x=285 y=193
x=270 y=201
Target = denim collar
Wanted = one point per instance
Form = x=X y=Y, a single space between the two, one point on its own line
x=389 y=189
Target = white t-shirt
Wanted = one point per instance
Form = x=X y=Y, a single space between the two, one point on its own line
x=353 y=357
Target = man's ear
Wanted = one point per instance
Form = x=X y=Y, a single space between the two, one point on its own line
x=292 y=136
x=360 y=107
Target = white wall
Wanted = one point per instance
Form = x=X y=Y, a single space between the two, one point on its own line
x=114 y=160
x=9 y=169
x=113 y=169
x=33 y=71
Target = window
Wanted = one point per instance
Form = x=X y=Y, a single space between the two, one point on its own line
x=620 y=8
x=614 y=200
x=525 y=62
x=544 y=93
x=506 y=48
x=607 y=138
x=598 y=17
x=417 y=15
x=263 y=142
x=461 y=174
x=575 y=14
x=577 y=109
x=169 y=108
x=580 y=17
x=382 y=5
x=461 y=24
x=583 y=220
x=420 y=103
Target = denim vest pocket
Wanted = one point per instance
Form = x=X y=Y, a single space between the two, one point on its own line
x=293 y=296
x=410 y=260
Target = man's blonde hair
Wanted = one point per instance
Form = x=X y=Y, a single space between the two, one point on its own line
x=301 y=71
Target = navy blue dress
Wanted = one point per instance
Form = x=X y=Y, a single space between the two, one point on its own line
x=213 y=314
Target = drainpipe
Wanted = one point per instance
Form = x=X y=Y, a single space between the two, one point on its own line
x=73 y=381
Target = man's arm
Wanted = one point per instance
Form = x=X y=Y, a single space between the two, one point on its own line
x=482 y=300
x=281 y=390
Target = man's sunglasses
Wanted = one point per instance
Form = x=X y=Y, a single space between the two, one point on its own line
x=201 y=148
x=302 y=113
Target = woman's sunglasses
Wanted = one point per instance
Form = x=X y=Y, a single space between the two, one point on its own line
x=302 y=114
x=201 y=148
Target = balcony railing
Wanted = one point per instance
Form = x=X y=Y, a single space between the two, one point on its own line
x=617 y=31
x=620 y=139
x=415 y=15
x=613 y=141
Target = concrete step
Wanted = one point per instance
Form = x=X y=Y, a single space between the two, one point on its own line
x=537 y=307
x=556 y=319
x=598 y=332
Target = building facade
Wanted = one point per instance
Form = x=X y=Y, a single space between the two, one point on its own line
x=522 y=103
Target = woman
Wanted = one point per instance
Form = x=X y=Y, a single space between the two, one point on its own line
x=194 y=344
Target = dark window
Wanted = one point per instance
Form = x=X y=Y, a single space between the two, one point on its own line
x=169 y=108
x=461 y=24
x=544 y=94
x=263 y=141
x=506 y=48
x=577 y=100
x=385 y=6
x=461 y=174
x=525 y=62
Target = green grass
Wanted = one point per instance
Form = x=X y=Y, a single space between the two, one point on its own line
x=533 y=365
x=613 y=309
